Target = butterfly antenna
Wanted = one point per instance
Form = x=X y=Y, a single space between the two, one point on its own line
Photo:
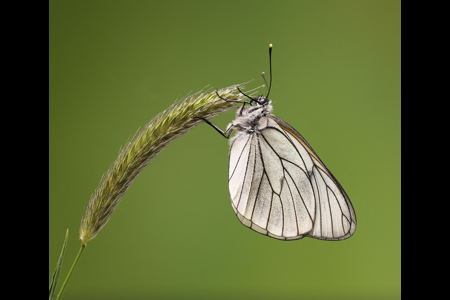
x=270 y=63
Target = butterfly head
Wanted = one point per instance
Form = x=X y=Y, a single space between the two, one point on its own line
x=261 y=100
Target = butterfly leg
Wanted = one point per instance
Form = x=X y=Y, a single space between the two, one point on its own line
x=226 y=134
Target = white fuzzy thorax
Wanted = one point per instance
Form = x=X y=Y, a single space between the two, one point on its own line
x=246 y=122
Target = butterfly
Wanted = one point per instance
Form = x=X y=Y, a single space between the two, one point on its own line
x=278 y=185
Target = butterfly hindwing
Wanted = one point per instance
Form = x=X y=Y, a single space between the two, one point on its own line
x=335 y=217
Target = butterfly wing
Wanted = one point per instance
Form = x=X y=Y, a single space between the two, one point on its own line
x=279 y=187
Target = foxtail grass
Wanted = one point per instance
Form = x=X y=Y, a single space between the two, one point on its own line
x=169 y=125
x=179 y=118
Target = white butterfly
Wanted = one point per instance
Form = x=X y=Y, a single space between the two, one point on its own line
x=278 y=185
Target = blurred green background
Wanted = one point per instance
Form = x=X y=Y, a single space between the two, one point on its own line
x=114 y=65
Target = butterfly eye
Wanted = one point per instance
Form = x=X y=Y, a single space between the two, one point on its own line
x=262 y=100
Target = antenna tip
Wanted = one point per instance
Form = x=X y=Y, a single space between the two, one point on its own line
x=270 y=46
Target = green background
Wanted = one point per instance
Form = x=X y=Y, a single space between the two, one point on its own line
x=114 y=65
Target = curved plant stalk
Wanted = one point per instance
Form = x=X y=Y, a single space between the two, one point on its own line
x=169 y=125
x=146 y=144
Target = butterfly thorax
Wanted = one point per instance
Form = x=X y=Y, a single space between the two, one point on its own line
x=247 y=119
